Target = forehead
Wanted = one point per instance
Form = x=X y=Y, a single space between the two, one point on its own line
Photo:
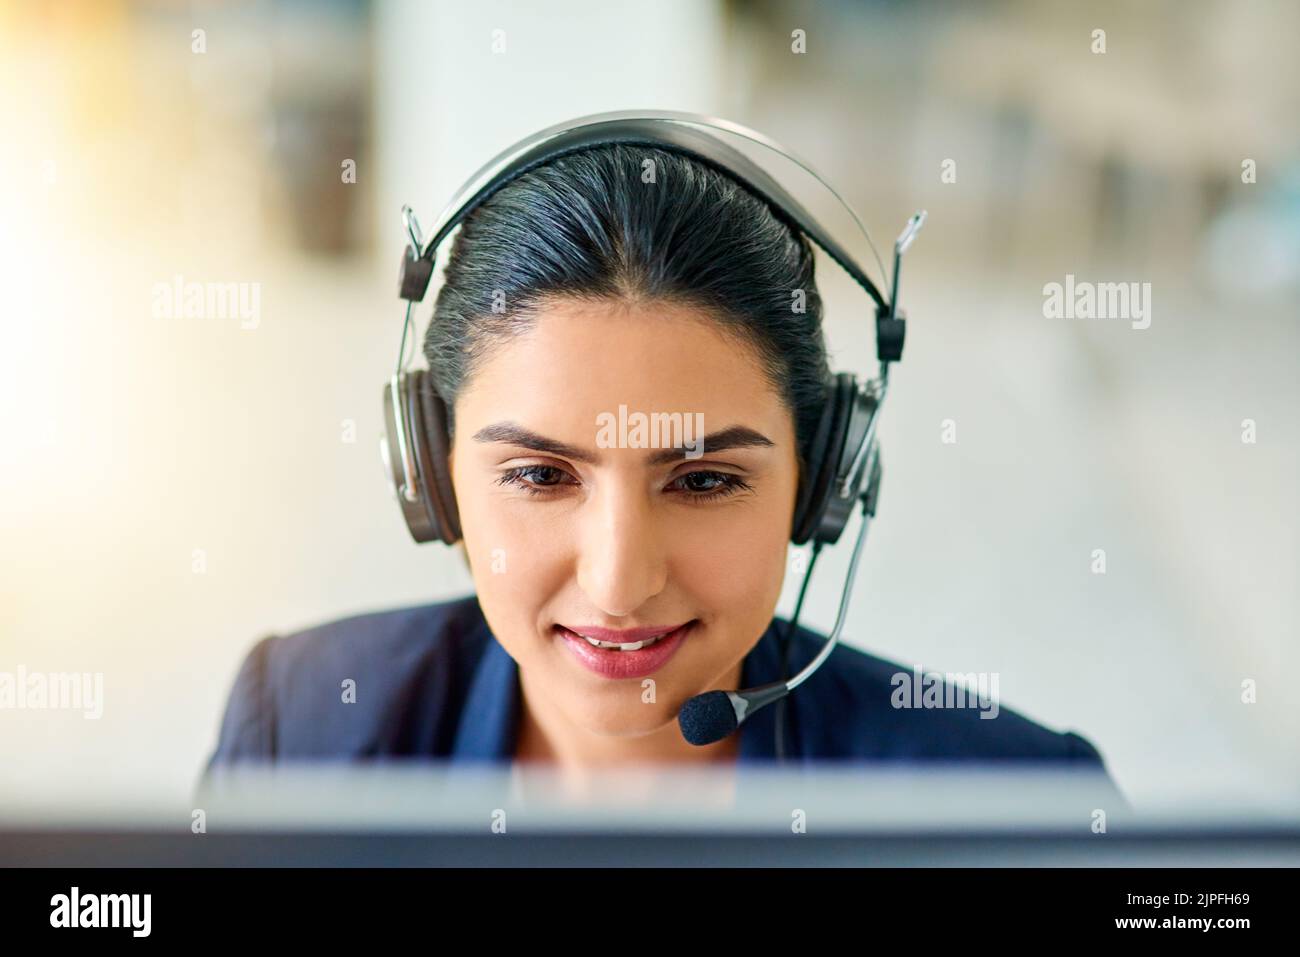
x=579 y=359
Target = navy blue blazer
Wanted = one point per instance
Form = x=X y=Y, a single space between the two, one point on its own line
x=432 y=681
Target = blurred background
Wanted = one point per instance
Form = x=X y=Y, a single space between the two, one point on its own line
x=171 y=489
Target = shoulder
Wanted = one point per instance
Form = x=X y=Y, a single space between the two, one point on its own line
x=377 y=645
x=867 y=706
x=384 y=682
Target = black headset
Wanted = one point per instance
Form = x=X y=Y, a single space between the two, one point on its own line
x=843 y=449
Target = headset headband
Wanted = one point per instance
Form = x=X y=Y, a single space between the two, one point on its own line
x=652 y=128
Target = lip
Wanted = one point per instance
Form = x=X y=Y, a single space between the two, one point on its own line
x=614 y=664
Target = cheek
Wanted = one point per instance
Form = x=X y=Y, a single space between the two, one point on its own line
x=734 y=580
x=509 y=565
x=746 y=563
x=510 y=548
x=508 y=557
x=745 y=559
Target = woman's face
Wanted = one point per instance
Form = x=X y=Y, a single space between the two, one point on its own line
x=572 y=524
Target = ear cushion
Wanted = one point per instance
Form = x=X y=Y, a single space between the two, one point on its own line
x=433 y=446
x=812 y=464
x=823 y=457
x=421 y=515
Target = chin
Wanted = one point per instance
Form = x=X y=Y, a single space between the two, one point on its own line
x=622 y=723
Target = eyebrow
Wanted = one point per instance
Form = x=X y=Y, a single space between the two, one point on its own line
x=734 y=437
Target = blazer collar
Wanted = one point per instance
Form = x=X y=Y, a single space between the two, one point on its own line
x=489 y=718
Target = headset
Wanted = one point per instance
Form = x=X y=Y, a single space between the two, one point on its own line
x=843 y=461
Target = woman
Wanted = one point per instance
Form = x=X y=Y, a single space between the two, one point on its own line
x=578 y=295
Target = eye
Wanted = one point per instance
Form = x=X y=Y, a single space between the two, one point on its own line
x=698 y=486
x=544 y=474
x=723 y=484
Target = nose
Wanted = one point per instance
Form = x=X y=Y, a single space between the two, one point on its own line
x=621 y=561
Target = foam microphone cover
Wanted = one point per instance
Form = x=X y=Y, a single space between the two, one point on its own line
x=707 y=718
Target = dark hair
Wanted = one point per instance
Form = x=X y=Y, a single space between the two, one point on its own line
x=587 y=226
